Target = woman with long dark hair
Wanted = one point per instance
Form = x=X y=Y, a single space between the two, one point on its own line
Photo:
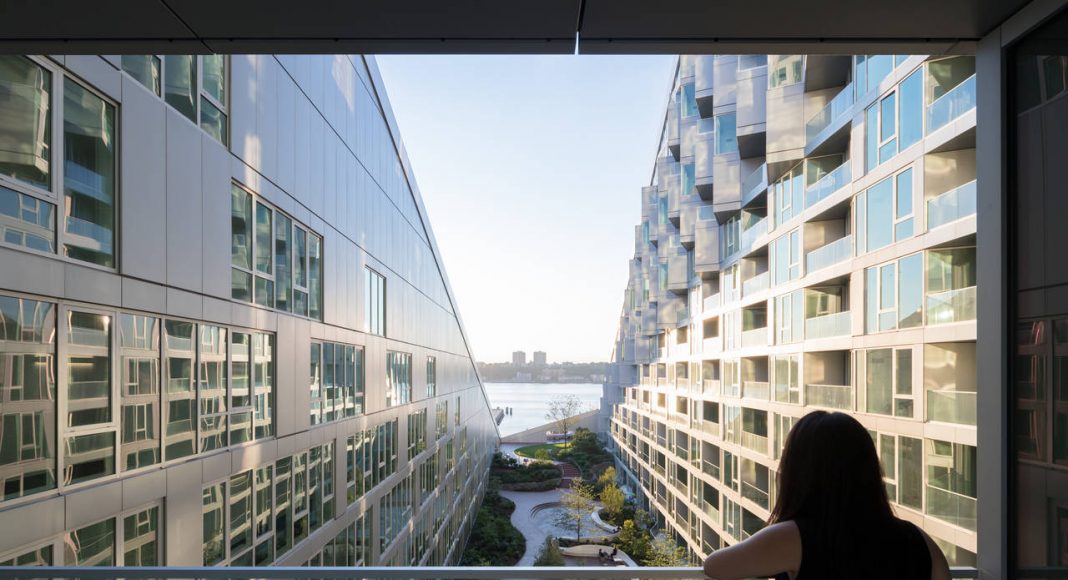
x=832 y=519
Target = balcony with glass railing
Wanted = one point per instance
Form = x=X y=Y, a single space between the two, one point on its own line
x=755 y=337
x=951 y=105
x=752 y=233
x=732 y=390
x=755 y=442
x=951 y=306
x=828 y=184
x=829 y=396
x=710 y=386
x=830 y=254
x=754 y=184
x=828 y=325
x=838 y=107
x=755 y=284
x=756 y=390
x=955 y=508
x=710 y=428
x=948 y=406
x=711 y=302
x=951 y=205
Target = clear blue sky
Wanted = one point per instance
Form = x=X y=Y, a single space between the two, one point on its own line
x=531 y=170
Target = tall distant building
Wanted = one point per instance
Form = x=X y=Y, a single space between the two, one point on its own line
x=309 y=400
x=519 y=358
x=539 y=357
x=807 y=242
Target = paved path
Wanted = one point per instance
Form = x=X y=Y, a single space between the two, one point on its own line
x=524 y=501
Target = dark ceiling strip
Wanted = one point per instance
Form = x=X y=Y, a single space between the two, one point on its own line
x=185 y=24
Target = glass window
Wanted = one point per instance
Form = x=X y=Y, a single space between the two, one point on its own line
x=179 y=354
x=214 y=76
x=140 y=368
x=88 y=457
x=878 y=380
x=88 y=175
x=398 y=378
x=27 y=396
x=213 y=514
x=910 y=291
x=145 y=69
x=27 y=221
x=431 y=376
x=315 y=377
x=887 y=117
x=179 y=83
x=93 y=545
x=689 y=102
x=283 y=507
x=213 y=120
x=910 y=91
x=264 y=290
x=951 y=482
x=283 y=258
x=374 y=302
x=726 y=129
x=315 y=280
x=880 y=215
x=903 y=205
x=26 y=130
x=241 y=243
x=784 y=70
x=212 y=388
x=240 y=514
x=910 y=472
x=263 y=351
x=88 y=369
x=240 y=387
x=140 y=538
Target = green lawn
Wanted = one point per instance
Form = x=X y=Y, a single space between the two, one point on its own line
x=531 y=450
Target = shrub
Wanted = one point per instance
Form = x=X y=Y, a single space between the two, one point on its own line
x=550 y=554
x=612 y=499
x=494 y=540
x=532 y=485
x=543 y=455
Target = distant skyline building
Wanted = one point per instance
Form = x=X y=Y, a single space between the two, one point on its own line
x=807 y=241
x=519 y=358
x=308 y=400
x=539 y=357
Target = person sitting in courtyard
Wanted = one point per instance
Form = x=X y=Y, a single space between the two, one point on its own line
x=832 y=519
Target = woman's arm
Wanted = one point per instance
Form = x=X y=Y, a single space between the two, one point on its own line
x=773 y=550
x=939 y=566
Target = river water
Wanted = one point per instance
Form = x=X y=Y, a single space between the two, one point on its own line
x=530 y=401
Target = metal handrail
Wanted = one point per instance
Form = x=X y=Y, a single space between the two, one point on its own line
x=383 y=573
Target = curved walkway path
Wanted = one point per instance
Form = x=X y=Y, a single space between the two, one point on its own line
x=535 y=536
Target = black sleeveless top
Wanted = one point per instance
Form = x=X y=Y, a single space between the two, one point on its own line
x=897 y=551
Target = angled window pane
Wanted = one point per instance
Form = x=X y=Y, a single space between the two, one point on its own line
x=93 y=545
x=26 y=130
x=141 y=538
x=263 y=238
x=145 y=69
x=140 y=368
x=213 y=121
x=215 y=76
x=211 y=389
x=27 y=221
x=214 y=528
x=179 y=83
x=179 y=352
x=283 y=258
x=88 y=175
x=88 y=369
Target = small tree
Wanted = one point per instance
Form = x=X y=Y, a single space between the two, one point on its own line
x=543 y=455
x=613 y=499
x=577 y=504
x=634 y=541
x=608 y=477
x=562 y=411
x=550 y=554
x=665 y=553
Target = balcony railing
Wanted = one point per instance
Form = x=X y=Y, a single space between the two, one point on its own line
x=379 y=573
x=755 y=284
x=838 y=106
x=750 y=235
x=710 y=386
x=829 y=254
x=837 y=324
x=756 y=390
x=952 y=507
x=830 y=396
x=951 y=407
x=732 y=390
x=755 y=337
x=951 y=105
x=828 y=184
x=758 y=443
x=951 y=306
x=951 y=205
x=710 y=428
x=711 y=302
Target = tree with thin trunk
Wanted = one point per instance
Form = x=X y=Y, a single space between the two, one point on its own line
x=562 y=411
x=577 y=504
